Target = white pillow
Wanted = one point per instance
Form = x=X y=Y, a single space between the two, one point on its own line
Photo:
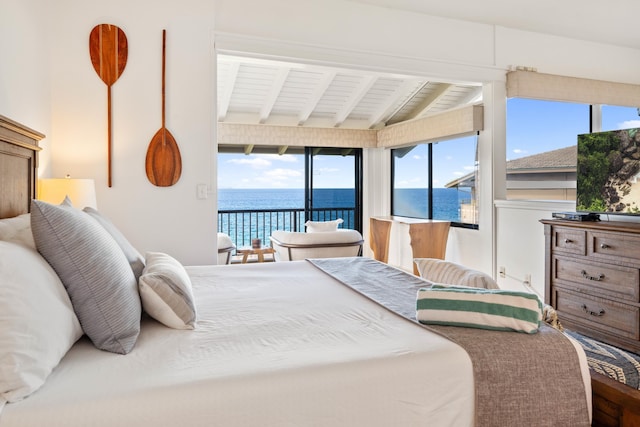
x=165 y=290
x=17 y=230
x=37 y=322
x=323 y=226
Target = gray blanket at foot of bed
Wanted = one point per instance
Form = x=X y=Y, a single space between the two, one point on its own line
x=521 y=379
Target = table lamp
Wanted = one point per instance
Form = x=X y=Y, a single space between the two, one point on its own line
x=81 y=192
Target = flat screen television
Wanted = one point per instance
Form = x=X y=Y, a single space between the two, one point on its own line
x=608 y=172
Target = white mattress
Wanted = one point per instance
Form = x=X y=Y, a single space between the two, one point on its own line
x=291 y=349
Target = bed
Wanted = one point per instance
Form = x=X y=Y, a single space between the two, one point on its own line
x=273 y=345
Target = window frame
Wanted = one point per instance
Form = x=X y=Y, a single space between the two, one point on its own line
x=456 y=224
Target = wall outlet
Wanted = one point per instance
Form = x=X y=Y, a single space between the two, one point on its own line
x=502 y=272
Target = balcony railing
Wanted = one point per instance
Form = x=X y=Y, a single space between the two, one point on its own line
x=244 y=225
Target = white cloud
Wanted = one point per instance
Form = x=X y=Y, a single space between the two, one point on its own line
x=409 y=182
x=519 y=151
x=320 y=171
x=629 y=124
x=281 y=173
x=469 y=168
x=286 y=158
x=261 y=161
x=254 y=162
x=417 y=157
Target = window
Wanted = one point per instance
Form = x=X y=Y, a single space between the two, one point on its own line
x=436 y=181
x=541 y=148
x=614 y=118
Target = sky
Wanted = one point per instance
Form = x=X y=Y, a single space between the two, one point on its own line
x=532 y=127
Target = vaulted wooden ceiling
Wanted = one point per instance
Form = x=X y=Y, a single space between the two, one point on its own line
x=256 y=91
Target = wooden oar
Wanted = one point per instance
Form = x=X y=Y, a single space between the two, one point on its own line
x=108 y=50
x=163 y=163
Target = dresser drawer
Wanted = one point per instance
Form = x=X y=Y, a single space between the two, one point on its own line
x=614 y=246
x=598 y=313
x=568 y=240
x=598 y=278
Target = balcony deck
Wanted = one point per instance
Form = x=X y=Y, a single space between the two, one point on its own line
x=244 y=225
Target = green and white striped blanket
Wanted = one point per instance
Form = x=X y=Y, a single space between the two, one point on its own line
x=495 y=309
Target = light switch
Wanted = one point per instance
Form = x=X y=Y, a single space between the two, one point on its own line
x=201 y=191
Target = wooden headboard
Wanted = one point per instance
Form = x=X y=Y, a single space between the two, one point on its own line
x=18 y=164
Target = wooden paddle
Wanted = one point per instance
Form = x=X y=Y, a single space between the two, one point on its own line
x=108 y=49
x=163 y=163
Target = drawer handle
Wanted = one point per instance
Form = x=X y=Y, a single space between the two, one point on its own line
x=597 y=278
x=567 y=241
x=604 y=246
x=592 y=313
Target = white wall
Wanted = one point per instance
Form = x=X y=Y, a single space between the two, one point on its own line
x=165 y=219
x=24 y=77
x=329 y=31
x=521 y=237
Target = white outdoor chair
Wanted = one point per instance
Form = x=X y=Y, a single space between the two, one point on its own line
x=292 y=246
x=225 y=248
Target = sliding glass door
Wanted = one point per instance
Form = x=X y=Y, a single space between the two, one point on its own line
x=265 y=190
x=333 y=185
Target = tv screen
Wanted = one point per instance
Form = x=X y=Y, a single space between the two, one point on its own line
x=608 y=172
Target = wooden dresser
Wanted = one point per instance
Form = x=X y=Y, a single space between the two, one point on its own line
x=592 y=279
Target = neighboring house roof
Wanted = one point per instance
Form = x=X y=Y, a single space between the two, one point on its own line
x=560 y=160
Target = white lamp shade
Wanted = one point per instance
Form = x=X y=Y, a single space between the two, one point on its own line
x=81 y=192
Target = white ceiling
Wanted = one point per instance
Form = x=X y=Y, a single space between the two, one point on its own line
x=604 y=21
x=254 y=91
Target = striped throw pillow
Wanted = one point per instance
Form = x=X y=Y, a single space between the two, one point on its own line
x=495 y=309
x=441 y=271
x=94 y=271
x=166 y=292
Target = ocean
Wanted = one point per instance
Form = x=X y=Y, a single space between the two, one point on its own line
x=408 y=201
x=330 y=203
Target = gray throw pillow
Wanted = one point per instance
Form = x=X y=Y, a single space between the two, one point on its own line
x=133 y=256
x=94 y=271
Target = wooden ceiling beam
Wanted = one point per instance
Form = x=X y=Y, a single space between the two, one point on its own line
x=224 y=98
x=388 y=120
x=274 y=92
x=379 y=117
x=430 y=100
x=315 y=97
x=354 y=99
x=474 y=95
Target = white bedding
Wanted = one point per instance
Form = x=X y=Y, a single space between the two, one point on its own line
x=291 y=349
